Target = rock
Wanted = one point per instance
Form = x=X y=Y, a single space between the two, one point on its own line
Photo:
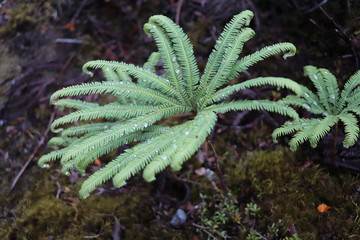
x=178 y=219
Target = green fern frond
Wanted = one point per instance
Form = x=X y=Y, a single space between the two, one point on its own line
x=247 y=61
x=146 y=76
x=108 y=112
x=313 y=103
x=303 y=134
x=354 y=109
x=183 y=51
x=61 y=141
x=52 y=156
x=231 y=55
x=256 y=82
x=170 y=62
x=80 y=162
x=131 y=90
x=75 y=104
x=159 y=163
x=289 y=127
x=202 y=126
x=266 y=105
x=188 y=142
x=152 y=61
x=101 y=176
x=319 y=83
x=123 y=76
x=294 y=100
x=307 y=100
x=331 y=85
x=225 y=40
x=349 y=87
x=353 y=98
x=117 y=76
x=58 y=154
x=86 y=128
x=144 y=153
x=351 y=129
x=110 y=75
x=321 y=129
x=184 y=146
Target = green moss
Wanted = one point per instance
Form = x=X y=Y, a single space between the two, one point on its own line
x=27 y=16
x=9 y=68
x=286 y=188
x=19 y=17
x=40 y=215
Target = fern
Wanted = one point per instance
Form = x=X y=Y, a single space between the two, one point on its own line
x=332 y=105
x=144 y=98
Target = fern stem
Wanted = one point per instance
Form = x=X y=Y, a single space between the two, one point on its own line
x=333 y=154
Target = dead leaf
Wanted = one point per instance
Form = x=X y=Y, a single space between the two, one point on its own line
x=97 y=162
x=323 y=208
x=70 y=26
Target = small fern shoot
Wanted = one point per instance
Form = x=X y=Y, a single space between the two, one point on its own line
x=329 y=105
x=143 y=98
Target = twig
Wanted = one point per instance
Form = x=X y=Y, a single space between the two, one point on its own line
x=218 y=170
x=59 y=190
x=76 y=15
x=68 y=40
x=190 y=181
x=32 y=69
x=59 y=74
x=317 y=6
x=202 y=228
x=340 y=31
x=94 y=236
x=239 y=117
x=38 y=147
x=117 y=226
x=102 y=29
x=297 y=5
x=316 y=24
x=76 y=211
x=178 y=11
x=348 y=6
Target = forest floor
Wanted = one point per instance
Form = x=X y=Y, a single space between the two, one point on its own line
x=271 y=192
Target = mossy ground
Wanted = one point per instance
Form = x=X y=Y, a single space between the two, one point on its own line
x=52 y=210
x=288 y=187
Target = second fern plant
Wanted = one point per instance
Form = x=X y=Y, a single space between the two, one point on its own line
x=144 y=98
x=329 y=105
